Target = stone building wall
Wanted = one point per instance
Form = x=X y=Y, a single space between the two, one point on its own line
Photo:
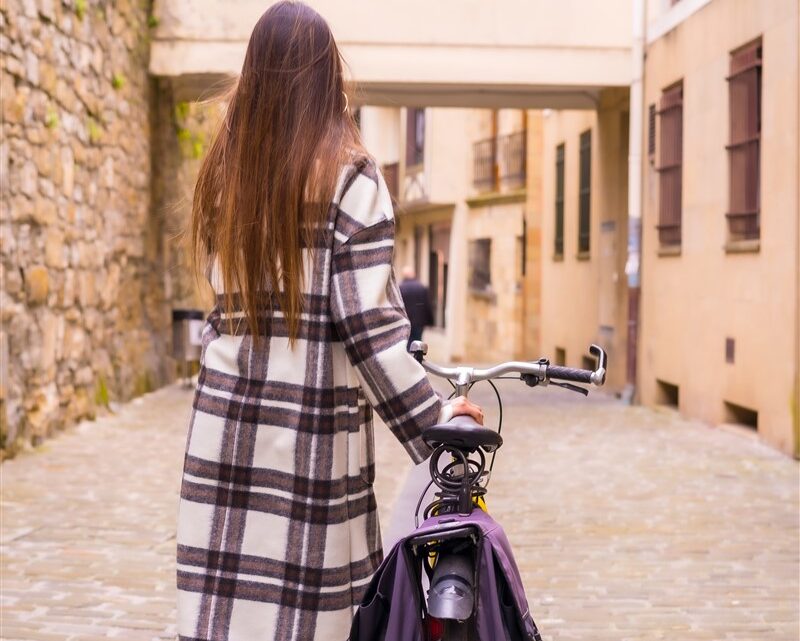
x=84 y=309
x=182 y=133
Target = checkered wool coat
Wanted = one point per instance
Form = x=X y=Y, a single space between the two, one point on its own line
x=277 y=526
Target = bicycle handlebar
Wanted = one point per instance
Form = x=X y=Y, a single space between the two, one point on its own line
x=570 y=374
x=538 y=372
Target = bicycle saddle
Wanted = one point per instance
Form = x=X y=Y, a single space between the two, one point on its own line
x=463 y=433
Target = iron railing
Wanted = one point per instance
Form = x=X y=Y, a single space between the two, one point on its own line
x=500 y=161
x=512 y=158
x=484 y=164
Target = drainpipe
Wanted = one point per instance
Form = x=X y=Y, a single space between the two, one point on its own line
x=633 y=263
x=796 y=401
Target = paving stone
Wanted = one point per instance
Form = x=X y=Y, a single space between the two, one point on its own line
x=627 y=524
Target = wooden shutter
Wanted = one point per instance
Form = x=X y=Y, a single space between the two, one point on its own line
x=558 y=249
x=744 y=91
x=415 y=136
x=651 y=132
x=584 y=213
x=670 y=166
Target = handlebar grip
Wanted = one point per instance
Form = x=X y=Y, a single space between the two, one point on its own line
x=569 y=374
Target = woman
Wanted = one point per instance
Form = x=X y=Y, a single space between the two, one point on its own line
x=278 y=533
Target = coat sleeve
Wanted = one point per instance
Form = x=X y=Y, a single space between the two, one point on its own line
x=370 y=319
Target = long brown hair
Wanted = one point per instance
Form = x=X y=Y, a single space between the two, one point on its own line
x=271 y=171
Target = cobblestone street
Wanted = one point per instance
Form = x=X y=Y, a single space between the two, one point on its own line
x=628 y=524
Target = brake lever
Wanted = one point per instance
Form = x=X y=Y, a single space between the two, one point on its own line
x=571 y=388
x=531 y=380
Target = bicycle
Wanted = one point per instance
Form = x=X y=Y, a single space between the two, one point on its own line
x=447 y=551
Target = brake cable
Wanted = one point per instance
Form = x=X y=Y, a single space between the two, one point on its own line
x=499 y=426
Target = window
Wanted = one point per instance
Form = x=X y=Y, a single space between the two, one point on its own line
x=670 y=167
x=744 y=91
x=438 y=269
x=480 y=254
x=415 y=137
x=560 y=357
x=558 y=250
x=584 y=220
x=651 y=132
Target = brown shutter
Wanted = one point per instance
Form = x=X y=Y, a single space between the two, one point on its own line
x=415 y=136
x=585 y=193
x=744 y=91
x=670 y=166
x=558 y=249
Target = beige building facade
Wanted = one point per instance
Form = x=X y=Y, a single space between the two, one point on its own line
x=448 y=53
x=540 y=266
x=584 y=235
x=461 y=220
x=719 y=307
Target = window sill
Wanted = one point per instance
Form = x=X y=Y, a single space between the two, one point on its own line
x=669 y=250
x=583 y=256
x=494 y=197
x=743 y=246
x=484 y=294
x=558 y=258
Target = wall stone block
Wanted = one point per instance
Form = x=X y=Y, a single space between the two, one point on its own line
x=77 y=192
x=37 y=284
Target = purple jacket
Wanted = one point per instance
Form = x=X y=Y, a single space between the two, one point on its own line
x=390 y=610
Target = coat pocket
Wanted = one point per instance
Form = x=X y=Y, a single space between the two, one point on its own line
x=366 y=440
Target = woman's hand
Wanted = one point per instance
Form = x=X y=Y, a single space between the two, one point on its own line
x=462 y=406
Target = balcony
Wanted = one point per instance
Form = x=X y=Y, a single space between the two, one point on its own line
x=500 y=163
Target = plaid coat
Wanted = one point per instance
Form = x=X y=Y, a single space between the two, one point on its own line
x=277 y=525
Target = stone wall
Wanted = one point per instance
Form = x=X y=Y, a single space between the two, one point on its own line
x=84 y=309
